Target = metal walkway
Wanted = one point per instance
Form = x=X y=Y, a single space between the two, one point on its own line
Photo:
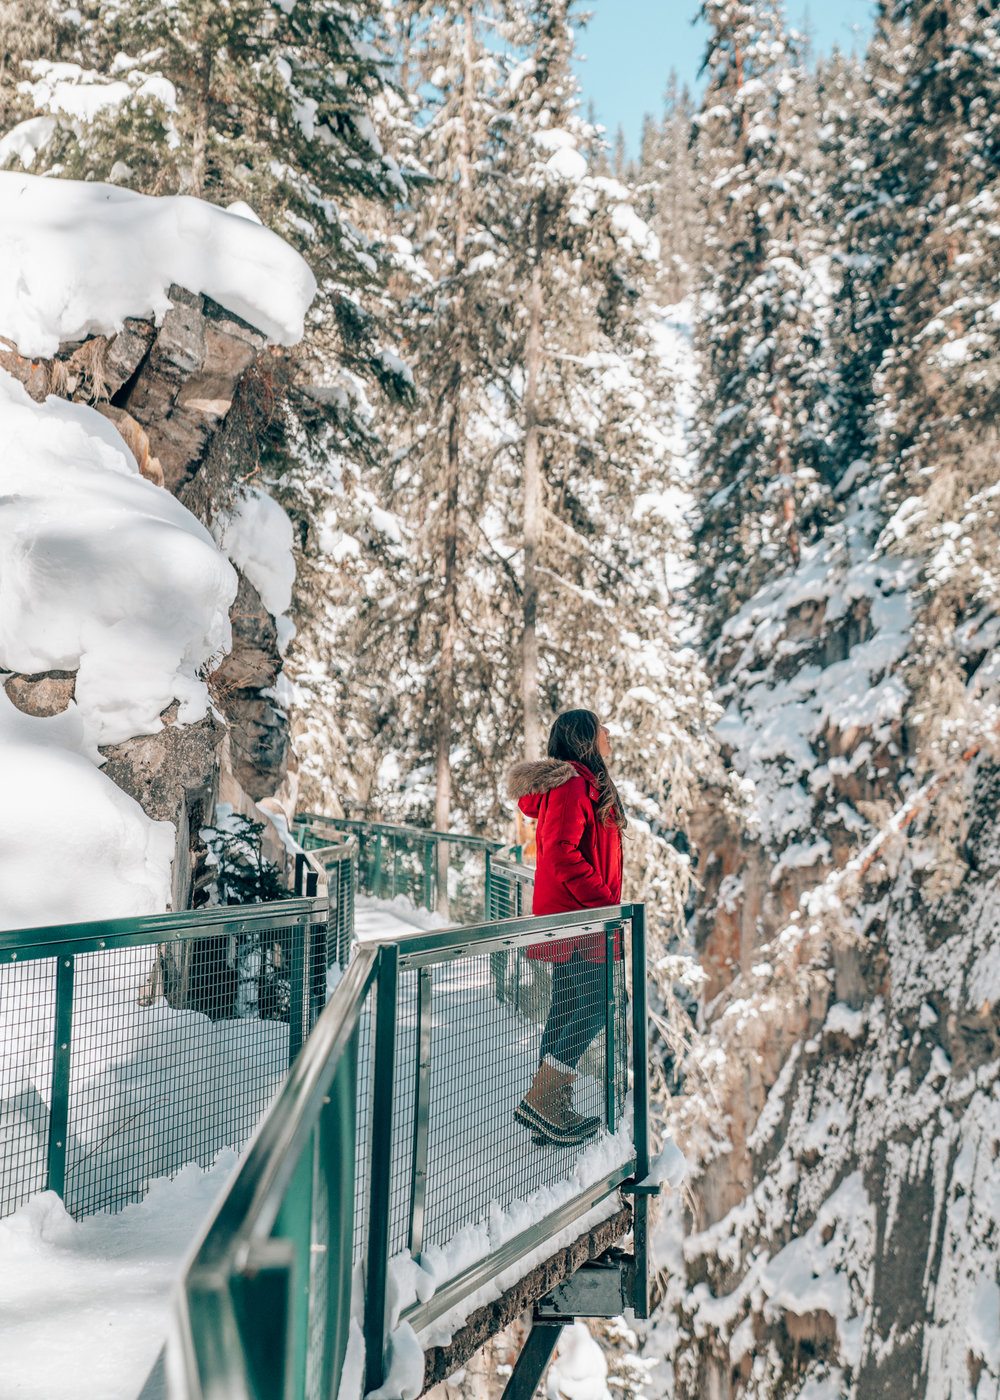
x=387 y=1192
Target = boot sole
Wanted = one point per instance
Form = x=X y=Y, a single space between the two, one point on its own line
x=543 y=1132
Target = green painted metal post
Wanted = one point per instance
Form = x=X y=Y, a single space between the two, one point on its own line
x=299 y=986
x=610 y=1055
x=61 y=1051
x=488 y=914
x=421 y=1113
x=338 y=1129
x=429 y=853
x=377 y=877
x=376 y=1278
x=640 y=1100
x=295 y=1225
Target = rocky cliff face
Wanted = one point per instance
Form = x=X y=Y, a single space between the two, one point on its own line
x=839 y=1234
x=189 y=398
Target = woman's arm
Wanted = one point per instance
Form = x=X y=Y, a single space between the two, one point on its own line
x=567 y=822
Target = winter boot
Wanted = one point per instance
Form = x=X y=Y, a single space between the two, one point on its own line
x=547 y=1109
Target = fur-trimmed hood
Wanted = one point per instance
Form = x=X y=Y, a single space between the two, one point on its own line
x=539 y=776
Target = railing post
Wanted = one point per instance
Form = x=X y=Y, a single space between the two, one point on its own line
x=377 y=1269
x=488 y=915
x=61 y=1052
x=430 y=851
x=421 y=1113
x=610 y=1055
x=299 y=986
x=345 y=909
x=300 y=865
x=377 y=877
x=640 y=1110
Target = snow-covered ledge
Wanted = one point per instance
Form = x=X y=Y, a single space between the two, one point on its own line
x=114 y=596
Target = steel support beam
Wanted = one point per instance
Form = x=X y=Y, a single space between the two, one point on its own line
x=535 y=1356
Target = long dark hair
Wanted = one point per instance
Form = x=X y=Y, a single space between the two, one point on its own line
x=574 y=737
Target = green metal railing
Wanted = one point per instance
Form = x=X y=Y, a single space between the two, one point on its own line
x=509 y=884
x=132 y=1047
x=337 y=863
x=392 y=1137
x=439 y=870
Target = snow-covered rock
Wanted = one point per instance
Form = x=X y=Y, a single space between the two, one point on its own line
x=579 y=1371
x=78 y=258
x=103 y=573
x=257 y=536
x=73 y=846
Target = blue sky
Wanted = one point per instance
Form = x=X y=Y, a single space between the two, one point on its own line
x=631 y=45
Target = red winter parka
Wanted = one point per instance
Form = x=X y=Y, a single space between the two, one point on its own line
x=579 y=860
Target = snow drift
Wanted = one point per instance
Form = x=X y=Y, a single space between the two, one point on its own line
x=103 y=572
x=77 y=258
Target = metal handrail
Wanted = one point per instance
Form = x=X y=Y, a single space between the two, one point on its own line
x=50 y=939
x=241 y=1282
x=238 y=1244
x=424 y=947
x=424 y=833
x=516 y=869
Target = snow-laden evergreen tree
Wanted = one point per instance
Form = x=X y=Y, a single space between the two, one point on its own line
x=252 y=102
x=28 y=31
x=854 y=209
x=666 y=190
x=938 y=387
x=942 y=167
x=443 y=468
x=574 y=253
x=767 y=402
x=589 y=472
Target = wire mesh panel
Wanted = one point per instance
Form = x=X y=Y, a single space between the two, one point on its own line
x=339 y=861
x=154 y=1086
x=509 y=888
x=403 y=1106
x=362 y=1162
x=432 y=869
x=485 y=1057
x=344 y=916
x=122 y=1064
x=27 y=1027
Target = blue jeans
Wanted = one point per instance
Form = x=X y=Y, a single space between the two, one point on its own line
x=577 y=1012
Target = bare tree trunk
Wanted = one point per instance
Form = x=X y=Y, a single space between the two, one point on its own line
x=532 y=509
x=445 y=717
x=194 y=184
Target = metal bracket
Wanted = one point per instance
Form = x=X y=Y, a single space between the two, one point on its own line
x=640 y=1188
x=603 y=1288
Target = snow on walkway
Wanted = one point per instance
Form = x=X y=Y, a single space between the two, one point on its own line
x=381 y=920
x=91 y=1298
x=85 y=1305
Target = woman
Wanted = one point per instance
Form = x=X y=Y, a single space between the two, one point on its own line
x=580 y=819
